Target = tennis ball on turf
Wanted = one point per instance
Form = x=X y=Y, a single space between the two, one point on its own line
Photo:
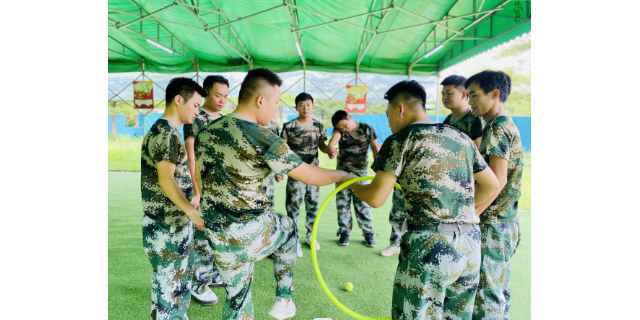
x=348 y=286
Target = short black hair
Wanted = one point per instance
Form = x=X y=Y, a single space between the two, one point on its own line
x=455 y=80
x=339 y=116
x=208 y=82
x=255 y=79
x=490 y=80
x=184 y=87
x=410 y=91
x=304 y=97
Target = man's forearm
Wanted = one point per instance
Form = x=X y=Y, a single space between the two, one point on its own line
x=191 y=159
x=316 y=176
x=334 y=140
x=174 y=193
x=198 y=182
x=325 y=177
x=481 y=194
x=324 y=148
x=364 y=192
x=196 y=187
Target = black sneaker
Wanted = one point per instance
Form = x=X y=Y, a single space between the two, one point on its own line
x=344 y=239
x=368 y=240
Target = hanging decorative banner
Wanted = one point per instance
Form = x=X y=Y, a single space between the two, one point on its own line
x=356 y=99
x=143 y=94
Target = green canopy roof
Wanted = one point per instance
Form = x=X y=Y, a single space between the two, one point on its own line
x=415 y=37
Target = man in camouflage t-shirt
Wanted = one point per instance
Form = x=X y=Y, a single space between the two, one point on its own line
x=235 y=155
x=167 y=189
x=354 y=140
x=436 y=166
x=304 y=136
x=205 y=271
x=454 y=98
x=499 y=223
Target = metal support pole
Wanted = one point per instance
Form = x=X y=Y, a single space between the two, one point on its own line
x=304 y=83
x=144 y=122
x=438 y=97
x=197 y=70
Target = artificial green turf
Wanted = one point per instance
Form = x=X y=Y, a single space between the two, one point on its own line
x=371 y=274
x=124 y=153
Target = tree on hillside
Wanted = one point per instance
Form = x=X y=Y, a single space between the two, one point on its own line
x=517 y=47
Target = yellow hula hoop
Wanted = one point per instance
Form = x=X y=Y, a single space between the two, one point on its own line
x=314 y=258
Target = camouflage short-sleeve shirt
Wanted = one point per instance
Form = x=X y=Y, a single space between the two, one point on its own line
x=235 y=156
x=354 y=148
x=273 y=127
x=304 y=140
x=202 y=120
x=468 y=123
x=434 y=164
x=163 y=142
x=501 y=138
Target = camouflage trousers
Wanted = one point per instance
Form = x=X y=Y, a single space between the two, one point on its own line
x=397 y=217
x=271 y=190
x=170 y=251
x=204 y=268
x=237 y=246
x=296 y=193
x=499 y=243
x=343 y=206
x=437 y=275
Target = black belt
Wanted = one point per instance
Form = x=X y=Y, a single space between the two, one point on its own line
x=444 y=227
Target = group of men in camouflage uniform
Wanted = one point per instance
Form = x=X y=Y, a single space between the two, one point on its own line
x=226 y=193
x=460 y=187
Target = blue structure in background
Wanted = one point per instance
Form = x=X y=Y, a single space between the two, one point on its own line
x=121 y=126
x=377 y=121
x=149 y=120
x=381 y=125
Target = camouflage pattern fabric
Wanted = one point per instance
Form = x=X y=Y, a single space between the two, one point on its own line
x=202 y=120
x=271 y=190
x=343 y=206
x=295 y=194
x=499 y=244
x=273 y=127
x=167 y=232
x=239 y=245
x=235 y=156
x=304 y=140
x=468 y=123
x=205 y=271
x=163 y=142
x=354 y=148
x=397 y=216
x=437 y=275
x=501 y=230
x=169 y=249
x=501 y=138
x=271 y=180
x=434 y=164
x=437 y=271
